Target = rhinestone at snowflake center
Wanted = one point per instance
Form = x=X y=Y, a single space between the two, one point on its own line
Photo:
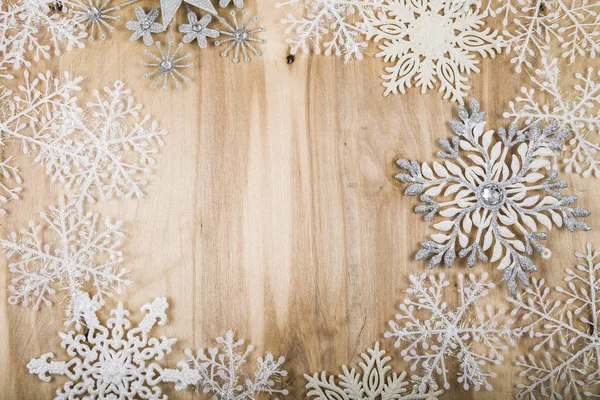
x=113 y=371
x=430 y=35
x=240 y=35
x=492 y=195
x=94 y=13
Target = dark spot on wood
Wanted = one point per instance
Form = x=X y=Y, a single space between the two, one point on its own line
x=290 y=58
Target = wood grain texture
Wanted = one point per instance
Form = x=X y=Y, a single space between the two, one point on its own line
x=273 y=208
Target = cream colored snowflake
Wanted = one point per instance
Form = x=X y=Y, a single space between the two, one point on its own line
x=429 y=40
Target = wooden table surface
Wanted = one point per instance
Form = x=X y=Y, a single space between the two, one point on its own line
x=273 y=208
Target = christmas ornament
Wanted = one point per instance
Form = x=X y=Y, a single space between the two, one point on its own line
x=198 y=30
x=374 y=383
x=96 y=15
x=432 y=40
x=240 y=36
x=488 y=202
x=145 y=26
x=237 y=3
x=564 y=362
x=167 y=65
x=168 y=8
x=431 y=333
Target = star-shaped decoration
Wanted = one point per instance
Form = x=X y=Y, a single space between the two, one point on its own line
x=237 y=3
x=144 y=26
x=198 y=29
x=168 y=8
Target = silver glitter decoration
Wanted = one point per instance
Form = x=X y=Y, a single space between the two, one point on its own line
x=240 y=37
x=168 y=8
x=145 y=25
x=198 y=30
x=493 y=194
x=96 y=15
x=237 y=3
x=167 y=65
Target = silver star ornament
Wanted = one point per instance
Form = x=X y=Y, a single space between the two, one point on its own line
x=168 y=8
x=144 y=26
x=198 y=30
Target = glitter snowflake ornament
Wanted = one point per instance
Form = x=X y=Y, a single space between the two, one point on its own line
x=578 y=113
x=72 y=251
x=473 y=334
x=333 y=26
x=564 y=362
x=491 y=196
x=239 y=37
x=198 y=30
x=220 y=371
x=169 y=8
x=112 y=361
x=431 y=40
x=374 y=383
x=96 y=16
x=145 y=26
x=237 y=3
x=167 y=64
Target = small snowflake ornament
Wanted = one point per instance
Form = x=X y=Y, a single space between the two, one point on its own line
x=431 y=40
x=198 y=30
x=564 y=362
x=491 y=196
x=239 y=37
x=337 y=27
x=145 y=26
x=374 y=384
x=71 y=252
x=167 y=64
x=220 y=371
x=112 y=361
x=578 y=113
x=472 y=333
x=95 y=15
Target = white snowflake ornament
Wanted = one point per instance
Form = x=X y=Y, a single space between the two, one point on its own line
x=336 y=27
x=431 y=40
x=112 y=361
x=472 y=333
x=220 y=372
x=73 y=251
x=491 y=196
x=374 y=384
x=578 y=113
x=565 y=323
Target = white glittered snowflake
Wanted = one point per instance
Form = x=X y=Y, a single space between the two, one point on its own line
x=71 y=252
x=112 y=360
x=565 y=323
x=431 y=40
x=334 y=26
x=221 y=371
x=577 y=111
x=472 y=333
x=491 y=196
x=532 y=26
x=374 y=383
x=34 y=30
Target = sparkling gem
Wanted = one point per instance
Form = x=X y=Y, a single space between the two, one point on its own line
x=94 y=13
x=197 y=28
x=166 y=66
x=241 y=35
x=145 y=25
x=492 y=194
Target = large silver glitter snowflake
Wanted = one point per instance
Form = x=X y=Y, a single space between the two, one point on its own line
x=565 y=323
x=220 y=371
x=374 y=383
x=72 y=251
x=336 y=27
x=432 y=40
x=577 y=111
x=431 y=333
x=114 y=360
x=491 y=196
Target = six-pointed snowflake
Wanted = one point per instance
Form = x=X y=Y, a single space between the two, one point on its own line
x=491 y=196
x=145 y=25
x=198 y=30
x=579 y=113
x=471 y=334
x=220 y=371
x=72 y=251
x=240 y=37
x=112 y=361
x=335 y=26
x=565 y=362
x=431 y=40
x=372 y=385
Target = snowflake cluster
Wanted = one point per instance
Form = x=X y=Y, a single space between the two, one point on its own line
x=337 y=27
x=473 y=335
x=491 y=196
x=565 y=362
x=220 y=371
x=373 y=384
x=578 y=113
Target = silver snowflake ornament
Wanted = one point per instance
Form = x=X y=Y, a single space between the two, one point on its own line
x=491 y=196
x=112 y=360
x=145 y=26
x=237 y=3
x=95 y=15
x=431 y=333
x=374 y=383
x=220 y=371
x=198 y=30
x=239 y=37
x=427 y=41
x=167 y=64
x=578 y=113
x=168 y=8
x=565 y=324
x=73 y=251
